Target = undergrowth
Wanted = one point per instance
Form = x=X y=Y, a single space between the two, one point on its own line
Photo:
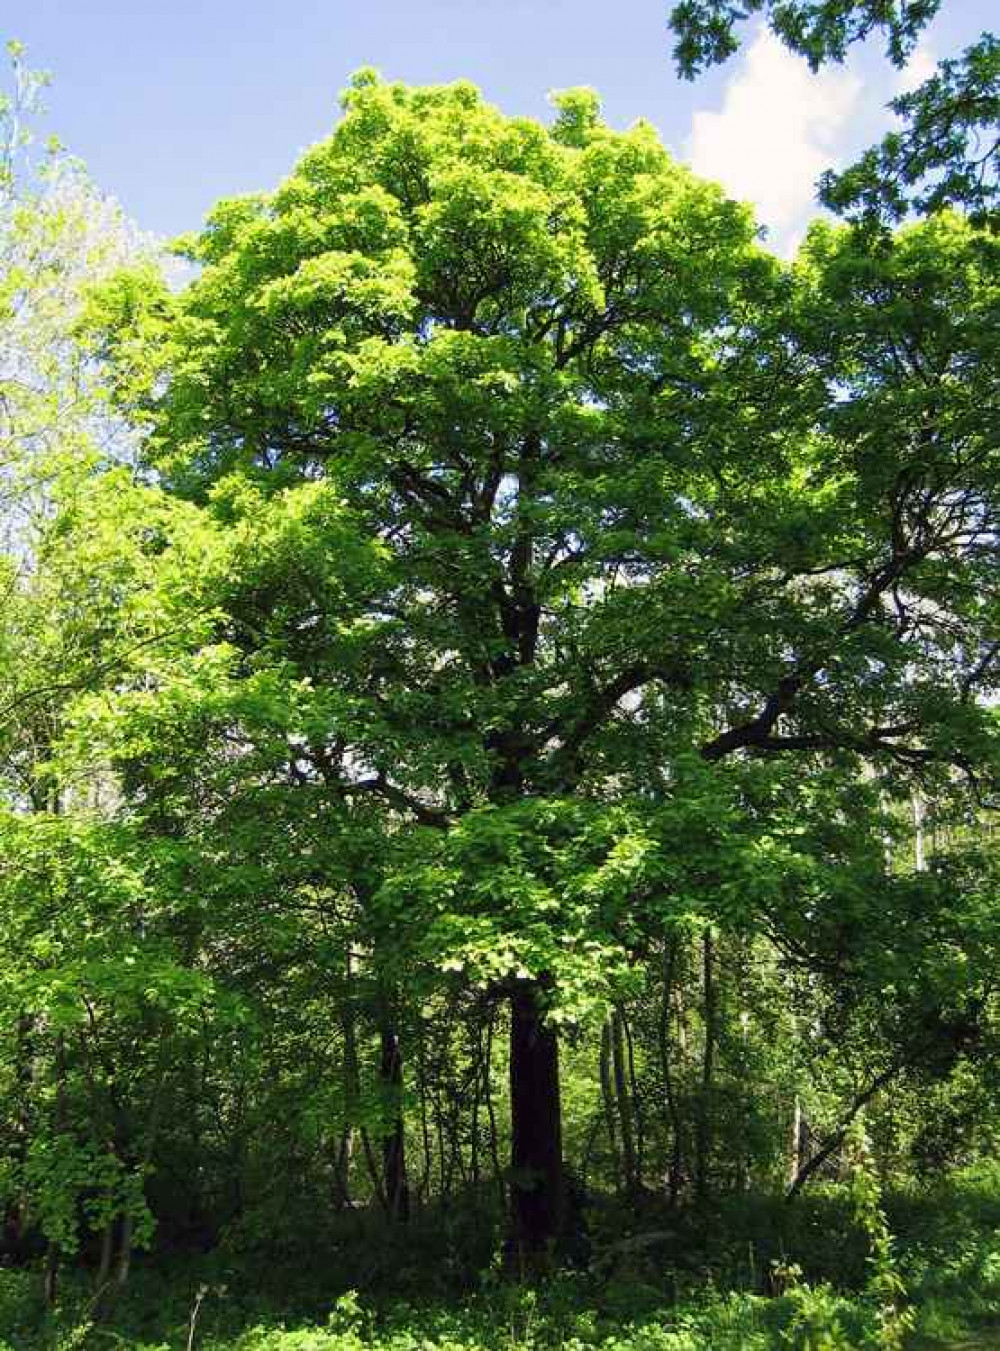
x=843 y=1269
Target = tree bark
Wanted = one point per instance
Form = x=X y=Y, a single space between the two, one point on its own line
x=537 y=1184
x=50 y=1278
x=124 y=1263
x=705 y=1122
x=636 y=1101
x=397 y=1191
x=491 y=1112
x=837 y=1138
x=351 y=1089
x=795 y=1151
x=107 y=1255
x=676 y=1165
x=608 y=1099
x=623 y=1099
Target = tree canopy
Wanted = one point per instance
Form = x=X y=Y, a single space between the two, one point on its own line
x=946 y=151
x=514 y=723
x=559 y=488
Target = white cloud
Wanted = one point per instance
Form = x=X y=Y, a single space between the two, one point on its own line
x=920 y=67
x=779 y=127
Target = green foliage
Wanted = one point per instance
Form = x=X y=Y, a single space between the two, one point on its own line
x=943 y=156
x=572 y=1311
x=58 y=235
x=542 y=650
x=946 y=152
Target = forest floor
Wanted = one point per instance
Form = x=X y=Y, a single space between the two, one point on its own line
x=755 y=1275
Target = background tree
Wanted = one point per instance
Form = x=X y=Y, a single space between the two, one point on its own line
x=947 y=151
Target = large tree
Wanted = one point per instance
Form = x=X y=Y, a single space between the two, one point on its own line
x=568 y=496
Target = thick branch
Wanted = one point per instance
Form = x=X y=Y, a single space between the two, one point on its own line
x=398 y=797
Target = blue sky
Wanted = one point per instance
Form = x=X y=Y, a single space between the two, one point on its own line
x=173 y=105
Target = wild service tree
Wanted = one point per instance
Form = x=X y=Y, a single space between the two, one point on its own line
x=569 y=496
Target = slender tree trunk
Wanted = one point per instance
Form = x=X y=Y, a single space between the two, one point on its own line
x=476 y=1053
x=50 y=1279
x=107 y=1255
x=635 y=1098
x=15 y=1216
x=537 y=1190
x=795 y=1152
x=444 y=1192
x=608 y=1099
x=623 y=1099
x=424 y=1185
x=744 y=1085
x=676 y=1165
x=342 y=1168
x=124 y=1262
x=491 y=1111
x=704 y=1132
x=397 y=1192
x=50 y=1276
x=919 y=843
x=378 y=1191
x=351 y=1088
x=836 y=1139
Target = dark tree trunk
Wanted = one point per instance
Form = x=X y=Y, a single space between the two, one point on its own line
x=705 y=1122
x=537 y=1191
x=351 y=1091
x=834 y=1141
x=424 y=1185
x=397 y=1192
x=342 y=1168
x=624 y=1101
x=50 y=1278
x=491 y=1112
x=15 y=1227
x=797 y=1150
x=608 y=1100
x=676 y=1165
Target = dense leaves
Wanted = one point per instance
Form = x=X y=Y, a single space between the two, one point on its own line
x=518 y=728
x=946 y=151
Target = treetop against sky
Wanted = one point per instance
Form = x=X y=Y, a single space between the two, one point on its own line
x=175 y=105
